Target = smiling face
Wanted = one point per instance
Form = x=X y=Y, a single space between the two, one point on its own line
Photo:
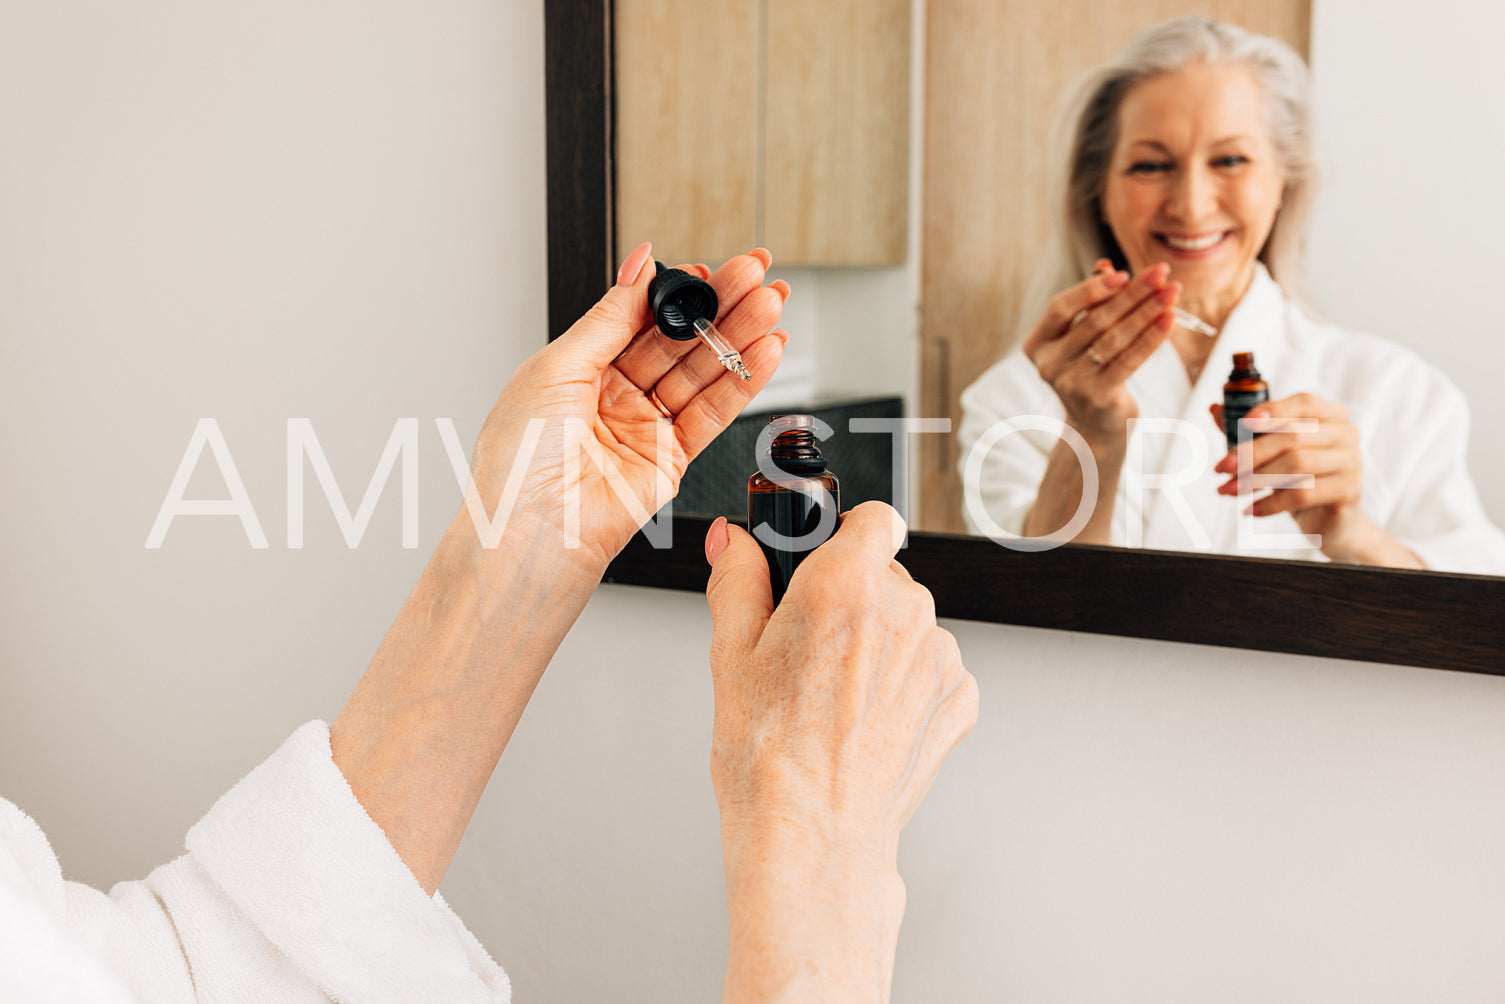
x=1194 y=181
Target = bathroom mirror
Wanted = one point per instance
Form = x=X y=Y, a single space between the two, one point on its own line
x=1405 y=617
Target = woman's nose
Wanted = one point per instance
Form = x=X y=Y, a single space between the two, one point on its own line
x=1193 y=195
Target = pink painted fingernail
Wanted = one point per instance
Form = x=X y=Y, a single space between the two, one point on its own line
x=632 y=267
x=1116 y=280
x=716 y=540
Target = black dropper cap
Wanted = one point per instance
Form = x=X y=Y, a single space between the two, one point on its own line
x=677 y=299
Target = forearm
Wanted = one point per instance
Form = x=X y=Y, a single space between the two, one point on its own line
x=422 y=733
x=1060 y=494
x=811 y=920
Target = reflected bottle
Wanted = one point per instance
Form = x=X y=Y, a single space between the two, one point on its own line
x=802 y=503
x=1243 y=391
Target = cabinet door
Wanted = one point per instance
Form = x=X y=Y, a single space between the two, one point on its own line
x=837 y=147
x=687 y=151
x=995 y=73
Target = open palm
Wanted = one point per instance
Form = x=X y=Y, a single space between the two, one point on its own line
x=574 y=445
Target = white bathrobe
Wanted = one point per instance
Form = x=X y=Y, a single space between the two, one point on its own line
x=1413 y=426
x=288 y=892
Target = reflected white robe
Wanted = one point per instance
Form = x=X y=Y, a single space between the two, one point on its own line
x=288 y=892
x=1413 y=425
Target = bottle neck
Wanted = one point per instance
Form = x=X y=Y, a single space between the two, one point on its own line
x=796 y=452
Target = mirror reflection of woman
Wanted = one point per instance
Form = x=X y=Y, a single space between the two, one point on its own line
x=1188 y=182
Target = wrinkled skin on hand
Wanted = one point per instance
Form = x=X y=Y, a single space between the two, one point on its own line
x=590 y=388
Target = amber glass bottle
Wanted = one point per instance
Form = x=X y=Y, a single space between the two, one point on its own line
x=1243 y=391
x=793 y=508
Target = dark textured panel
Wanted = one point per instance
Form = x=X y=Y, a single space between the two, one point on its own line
x=716 y=481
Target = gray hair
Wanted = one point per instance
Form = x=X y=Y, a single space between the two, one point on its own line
x=1089 y=127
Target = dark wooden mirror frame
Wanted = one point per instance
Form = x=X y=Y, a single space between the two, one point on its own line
x=1410 y=618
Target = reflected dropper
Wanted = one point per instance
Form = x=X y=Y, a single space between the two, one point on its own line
x=1185 y=318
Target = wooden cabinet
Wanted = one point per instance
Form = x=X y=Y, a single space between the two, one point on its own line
x=781 y=123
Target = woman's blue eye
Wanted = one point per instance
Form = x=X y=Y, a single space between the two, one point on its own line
x=1232 y=160
x=1148 y=167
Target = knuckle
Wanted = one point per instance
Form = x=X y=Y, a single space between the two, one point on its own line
x=970 y=697
x=921 y=603
x=713 y=412
x=963 y=704
x=879 y=513
x=608 y=311
x=951 y=653
x=1090 y=321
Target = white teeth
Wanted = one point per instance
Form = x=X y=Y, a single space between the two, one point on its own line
x=1192 y=243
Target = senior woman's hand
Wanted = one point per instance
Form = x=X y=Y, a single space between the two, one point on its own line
x=1312 y=445
x=1090 y=340
x=833 y=714
x=424 y=729
x=1093 y=337
x=584 y=399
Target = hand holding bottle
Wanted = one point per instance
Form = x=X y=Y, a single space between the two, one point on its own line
x=833 y=714
x=1313 y=447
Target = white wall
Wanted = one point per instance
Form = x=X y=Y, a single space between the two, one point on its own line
x=263 y=212
x=251 y=212
x=1411 y=117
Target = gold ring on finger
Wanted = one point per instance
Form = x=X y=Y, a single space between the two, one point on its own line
x=653 y=397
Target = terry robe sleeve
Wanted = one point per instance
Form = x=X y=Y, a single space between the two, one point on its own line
x=288 y=892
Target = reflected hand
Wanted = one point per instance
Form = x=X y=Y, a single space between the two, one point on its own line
x=1324 y=468
x=590 y=387
x=1092 y=338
